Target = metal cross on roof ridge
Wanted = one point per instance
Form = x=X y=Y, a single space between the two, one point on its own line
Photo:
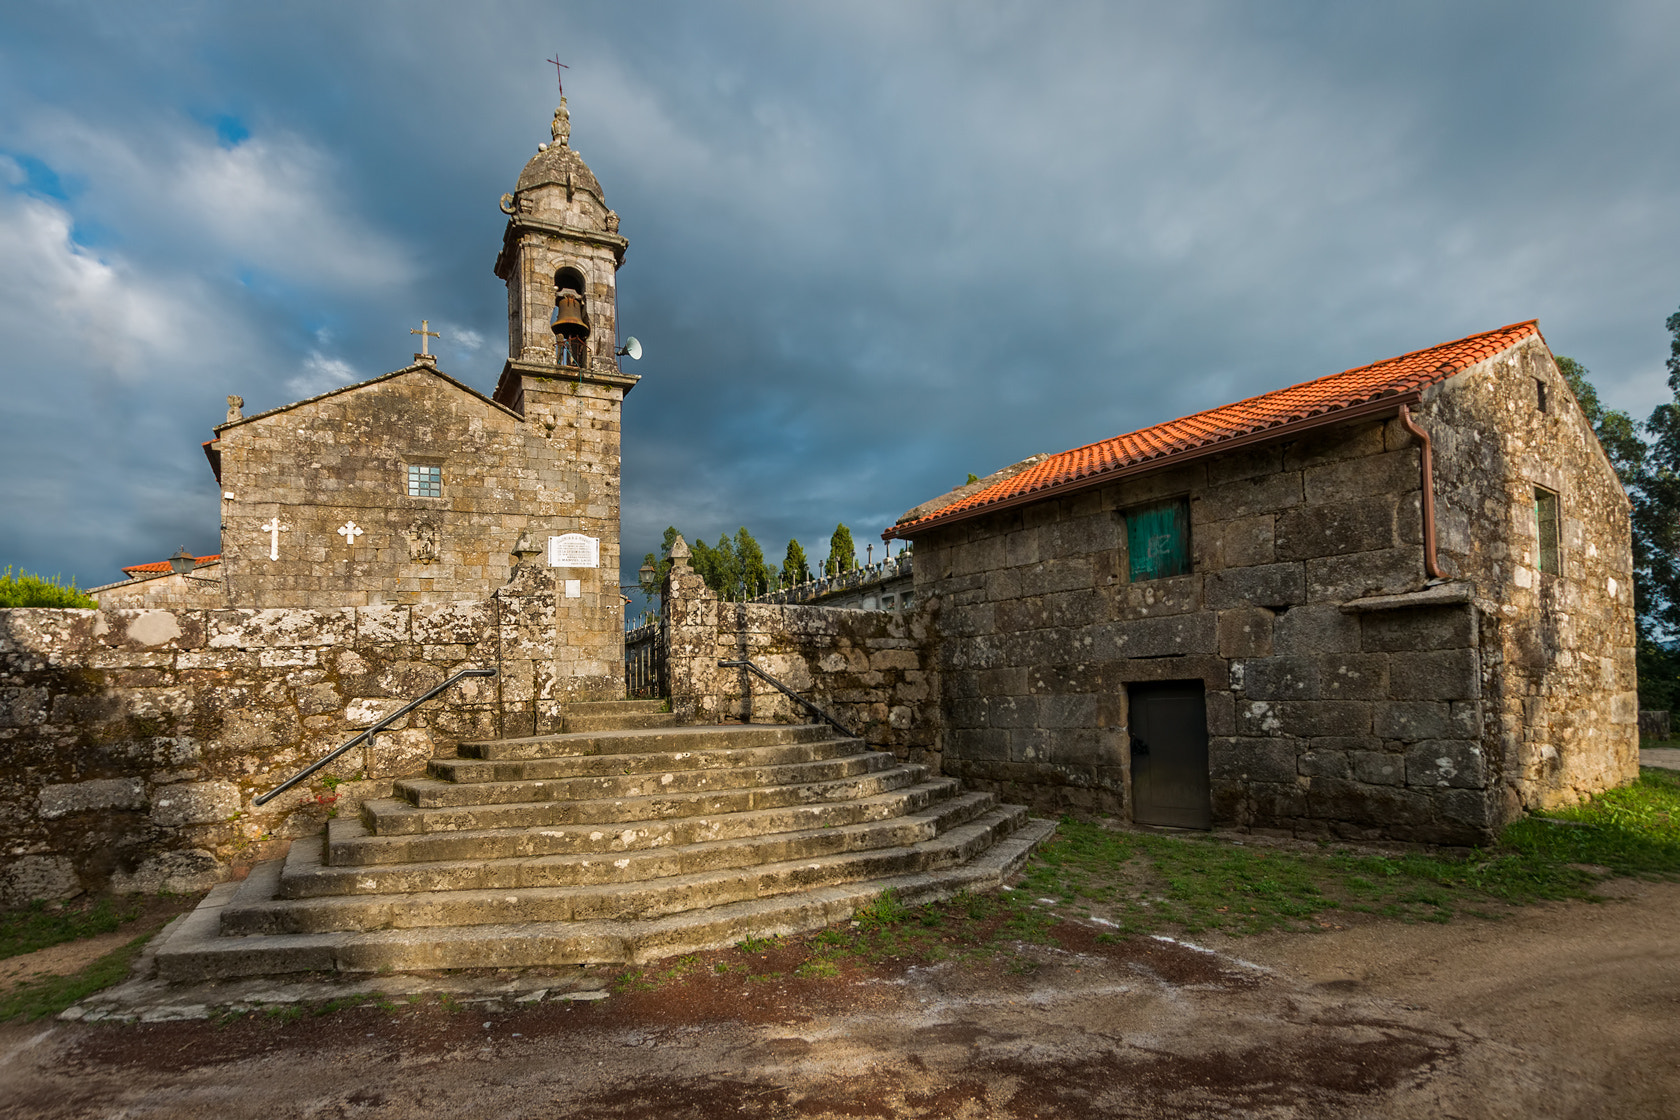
x=559 y=78
x=424 y=335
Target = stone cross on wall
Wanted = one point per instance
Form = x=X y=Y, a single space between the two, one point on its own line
x=274 y=529
x=350 y=531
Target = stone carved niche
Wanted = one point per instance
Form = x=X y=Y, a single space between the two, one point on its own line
x=422 y=542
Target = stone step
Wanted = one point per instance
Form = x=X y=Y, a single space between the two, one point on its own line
x=617 y=721
x=389 y=817
x=643 y=742
x=430 y=793
x=657 y=762
x=647 y=899
x=350 y=844
x=194 y=952
x=306 y=877
x=618 y=707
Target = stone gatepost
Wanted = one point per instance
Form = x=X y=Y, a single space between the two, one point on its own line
x=688 y=628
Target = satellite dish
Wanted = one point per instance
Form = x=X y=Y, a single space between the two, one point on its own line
x=632 y=348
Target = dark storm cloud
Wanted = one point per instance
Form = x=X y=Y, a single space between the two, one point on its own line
x=873 y=246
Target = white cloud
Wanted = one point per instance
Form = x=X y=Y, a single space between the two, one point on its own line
x=269 y=204
x=321 y=374
x=461 y=338
x=68 y=309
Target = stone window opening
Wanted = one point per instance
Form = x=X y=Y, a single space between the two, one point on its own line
x=425 y=481
x=1540 y=394
x=1158 y=539
x=1546 y=528
x=571 y=319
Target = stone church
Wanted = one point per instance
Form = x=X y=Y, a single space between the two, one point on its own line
x=413 y=487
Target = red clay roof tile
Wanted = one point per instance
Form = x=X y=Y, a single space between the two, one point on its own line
x=1406 y=374
x=163 y=565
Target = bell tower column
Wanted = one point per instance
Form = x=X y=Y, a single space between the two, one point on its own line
x=560 y=256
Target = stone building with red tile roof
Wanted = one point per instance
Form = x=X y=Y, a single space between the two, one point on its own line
x=197 y=583
x=1391 y=602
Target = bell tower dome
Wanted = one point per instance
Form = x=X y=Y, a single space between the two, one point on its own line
x=560 y=256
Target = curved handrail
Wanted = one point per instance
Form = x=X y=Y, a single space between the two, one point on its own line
x=263 y=799
x=743 y=663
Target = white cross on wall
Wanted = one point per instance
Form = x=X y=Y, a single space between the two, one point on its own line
x=350 y=531
x=274 y=529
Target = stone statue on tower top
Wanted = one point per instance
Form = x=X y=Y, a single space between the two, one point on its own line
x=562 y=126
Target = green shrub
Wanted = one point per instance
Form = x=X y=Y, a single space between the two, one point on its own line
x=29 y=590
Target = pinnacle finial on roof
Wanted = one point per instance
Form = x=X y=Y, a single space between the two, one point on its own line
x=562 y=126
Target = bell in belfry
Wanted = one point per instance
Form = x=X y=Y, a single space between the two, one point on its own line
x=571 y=328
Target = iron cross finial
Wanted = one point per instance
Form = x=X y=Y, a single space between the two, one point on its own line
x=559 y=78
x=424 y=335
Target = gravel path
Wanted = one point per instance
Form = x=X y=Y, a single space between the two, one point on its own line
x=1562 y=1010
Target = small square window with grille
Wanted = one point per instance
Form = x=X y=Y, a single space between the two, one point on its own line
x=425 y=482
x=1546 y=522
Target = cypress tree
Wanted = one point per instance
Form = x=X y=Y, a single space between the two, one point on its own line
x=842 y=553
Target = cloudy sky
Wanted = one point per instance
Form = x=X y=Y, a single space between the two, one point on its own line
x=873 y=246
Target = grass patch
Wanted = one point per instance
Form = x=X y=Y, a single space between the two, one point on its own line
x=967 y=927
x=1143 y=882
x=34 y=999
x=636 y=980
x=1634 y=830
x=38 y=927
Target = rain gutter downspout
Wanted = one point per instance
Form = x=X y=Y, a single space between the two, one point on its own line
x=1430 y=564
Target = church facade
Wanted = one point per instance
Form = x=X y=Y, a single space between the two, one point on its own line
x=414 y=488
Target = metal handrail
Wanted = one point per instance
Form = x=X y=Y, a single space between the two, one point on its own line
x=263 y=799
x=790 y=694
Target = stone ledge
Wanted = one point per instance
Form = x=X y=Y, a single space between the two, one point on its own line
x=1440 y=595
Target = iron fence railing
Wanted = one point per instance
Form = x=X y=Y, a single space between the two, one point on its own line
x=644 y=663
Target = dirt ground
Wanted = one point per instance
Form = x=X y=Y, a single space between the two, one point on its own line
x=1561 y=1010
x=73 y=956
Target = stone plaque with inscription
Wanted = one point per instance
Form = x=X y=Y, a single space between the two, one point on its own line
x=574 y=550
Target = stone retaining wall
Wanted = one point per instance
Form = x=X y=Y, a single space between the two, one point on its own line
x=133 y=740
x=872 y=670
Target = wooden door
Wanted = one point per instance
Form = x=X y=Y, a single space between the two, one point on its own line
x=1168 y=724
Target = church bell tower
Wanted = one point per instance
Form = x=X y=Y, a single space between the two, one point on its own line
x=560 y=257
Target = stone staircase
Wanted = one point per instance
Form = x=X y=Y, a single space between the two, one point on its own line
x=623 y=839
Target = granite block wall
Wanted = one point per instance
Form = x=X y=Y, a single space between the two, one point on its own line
x=874 y=671
x=132 y=741
x=1560 y=680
